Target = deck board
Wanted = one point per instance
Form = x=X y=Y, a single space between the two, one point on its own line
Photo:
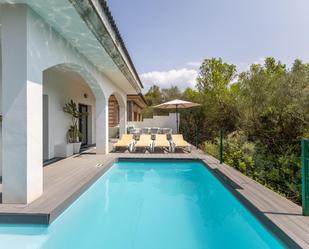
x=66 y=179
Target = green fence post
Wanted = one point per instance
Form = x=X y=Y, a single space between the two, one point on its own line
x=196 y=137
x=305 y=176
x=221 y=146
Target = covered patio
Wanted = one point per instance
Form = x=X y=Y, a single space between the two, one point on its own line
x=84 y=60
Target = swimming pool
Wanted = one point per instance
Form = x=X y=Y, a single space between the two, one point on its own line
x=149 y=205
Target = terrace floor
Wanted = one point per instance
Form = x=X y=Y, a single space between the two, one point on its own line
x=66 y=179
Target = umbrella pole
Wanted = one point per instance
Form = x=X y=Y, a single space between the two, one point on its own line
x=177 y=119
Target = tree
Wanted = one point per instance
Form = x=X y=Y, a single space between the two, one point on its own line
x=156 y=96
x=215 y=75
x=273 y=103
x=170 y=93
x=218 y=101
x=153 y=96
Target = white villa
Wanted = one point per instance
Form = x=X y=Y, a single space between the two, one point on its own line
x=52 y=52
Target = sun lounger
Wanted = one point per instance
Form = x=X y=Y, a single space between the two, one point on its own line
x=145 y=130
x=154 y=130
x=161 y=142
x=167 y=130
x=135 y=131
x=126 y=141
x=143 y=142
x=179 y=142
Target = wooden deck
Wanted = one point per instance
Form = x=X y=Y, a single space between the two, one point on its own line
x=65 y=180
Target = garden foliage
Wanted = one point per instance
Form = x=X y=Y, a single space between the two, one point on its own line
x=263 y=111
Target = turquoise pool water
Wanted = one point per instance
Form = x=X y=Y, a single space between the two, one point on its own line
x=149 y=205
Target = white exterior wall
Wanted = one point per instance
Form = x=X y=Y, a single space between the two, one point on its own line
x=30 y=46
x=60 y=89
x=158 y=121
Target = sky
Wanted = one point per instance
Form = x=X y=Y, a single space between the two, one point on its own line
x=168 y=39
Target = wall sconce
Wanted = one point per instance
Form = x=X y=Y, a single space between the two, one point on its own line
x=85 y=95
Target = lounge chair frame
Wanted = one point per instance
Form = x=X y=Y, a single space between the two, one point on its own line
x=147 y=146
x=128 y=146
x=156 y=142
x=179 y=142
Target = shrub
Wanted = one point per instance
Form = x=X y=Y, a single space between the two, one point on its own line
x=280 y=172
x=211 y=149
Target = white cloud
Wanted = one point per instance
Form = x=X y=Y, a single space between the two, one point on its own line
x=195 y=64
x=182 y=78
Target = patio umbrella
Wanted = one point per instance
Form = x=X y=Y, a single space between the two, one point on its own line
x=176 y=104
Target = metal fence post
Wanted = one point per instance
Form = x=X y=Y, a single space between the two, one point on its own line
x=221 y=146
x=305 y=176
x=196 y=137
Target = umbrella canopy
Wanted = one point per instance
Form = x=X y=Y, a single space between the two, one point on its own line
x=176 y=104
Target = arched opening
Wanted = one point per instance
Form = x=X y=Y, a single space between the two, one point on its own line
x=61 y=84
x=113 y=117
x=116 y=115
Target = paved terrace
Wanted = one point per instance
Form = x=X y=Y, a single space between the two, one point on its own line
x=65 y=180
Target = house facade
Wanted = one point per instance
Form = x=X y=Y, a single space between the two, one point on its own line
x=135 y=106
x=53 y=52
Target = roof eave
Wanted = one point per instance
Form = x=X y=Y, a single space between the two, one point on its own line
x=90 y=14
x=119 y=38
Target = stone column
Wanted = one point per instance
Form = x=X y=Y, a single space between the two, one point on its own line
x=22 y=111
x=102 y=125
x=132 y=111
x=123 y=119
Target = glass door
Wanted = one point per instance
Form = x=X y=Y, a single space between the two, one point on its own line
x=83 y=124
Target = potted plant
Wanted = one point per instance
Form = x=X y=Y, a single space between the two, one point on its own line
x=74 y=135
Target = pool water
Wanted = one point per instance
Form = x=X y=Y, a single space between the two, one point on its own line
x=149 y=205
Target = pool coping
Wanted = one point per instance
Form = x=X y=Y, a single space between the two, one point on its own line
x=210 y=163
